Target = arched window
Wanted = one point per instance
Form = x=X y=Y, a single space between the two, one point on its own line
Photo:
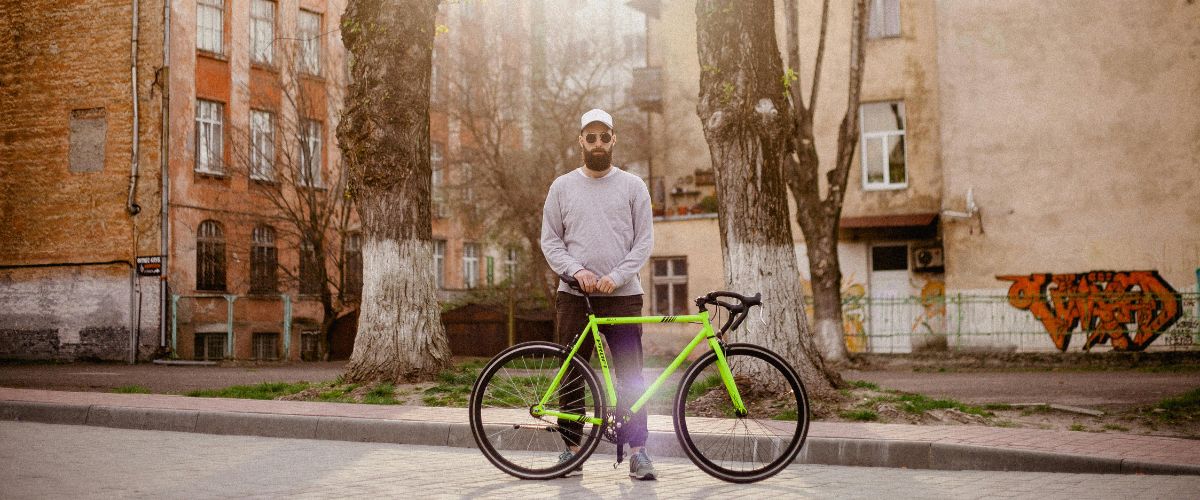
x=263 y=261
x=210 y=256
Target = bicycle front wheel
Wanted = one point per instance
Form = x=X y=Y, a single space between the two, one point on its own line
x=503 y=417
x=742 y=448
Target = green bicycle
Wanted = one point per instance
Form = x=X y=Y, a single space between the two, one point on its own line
x=740 y=412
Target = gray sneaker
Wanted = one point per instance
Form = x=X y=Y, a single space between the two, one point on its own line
x=565 y=456
x=640 y=467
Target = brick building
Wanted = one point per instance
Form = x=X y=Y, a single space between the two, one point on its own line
x=99 y=250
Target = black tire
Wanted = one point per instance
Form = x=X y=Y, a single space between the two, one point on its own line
x=508 y=434
x=748 y=448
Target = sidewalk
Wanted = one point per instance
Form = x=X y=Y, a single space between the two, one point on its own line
x=876 y=445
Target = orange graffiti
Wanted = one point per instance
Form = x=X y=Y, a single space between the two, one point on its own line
x=933 y=301
x=1102 y=302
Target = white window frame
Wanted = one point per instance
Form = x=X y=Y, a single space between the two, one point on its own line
x=310 y=41
x=311 y=157
x=470 y=261
x=262 y=145
x=210 y=137
x=210 y=26
x=510 y=264
x=887 y=136
x=262 y=31
x=439 y=262
x=884 y=20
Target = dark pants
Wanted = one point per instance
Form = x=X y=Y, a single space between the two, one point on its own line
x=624 y=352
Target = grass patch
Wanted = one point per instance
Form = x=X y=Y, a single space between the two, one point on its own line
x=863 y=384
x=1115 y=427
x=789 y=415
x=1079 y=427
x=997 y=407
x=453 y=387
x=131 y=389
x=920 y=403
x=267 y=390
x=860 y=415
x=1187 y=403
x=1005 y=423
x=382 y=394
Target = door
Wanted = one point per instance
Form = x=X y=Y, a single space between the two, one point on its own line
x=889 y=303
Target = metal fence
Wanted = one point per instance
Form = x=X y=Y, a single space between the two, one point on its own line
x=904 y=324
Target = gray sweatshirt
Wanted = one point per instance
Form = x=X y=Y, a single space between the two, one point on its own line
x=603 y=225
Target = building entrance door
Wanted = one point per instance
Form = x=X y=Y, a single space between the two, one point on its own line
x=890 y=301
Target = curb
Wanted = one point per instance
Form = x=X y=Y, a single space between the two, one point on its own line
x=817 y=450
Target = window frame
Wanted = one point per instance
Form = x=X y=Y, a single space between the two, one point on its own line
x=511 y=261
x=675 y=305
x=886 y=136
x=439 y=263
x=470 y=263
x=211 y=272
x=437 y=180
x=209 y=125
x=264 y=261
x=309 y=275
x=312 y=158
x=258 y=19
x=262 y=166
x=204 y=33
x=877 y=14
x=309 y=58
x=256 y=341
x=352 y=278
x=203 y=338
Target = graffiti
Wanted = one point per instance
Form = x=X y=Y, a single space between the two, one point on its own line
x=1101 y=303
x=933 y=305
x=854 y=301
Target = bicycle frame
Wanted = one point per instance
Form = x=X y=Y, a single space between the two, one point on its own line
x=593 y=329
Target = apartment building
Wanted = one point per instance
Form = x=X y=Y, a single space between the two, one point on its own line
x=1010 y=151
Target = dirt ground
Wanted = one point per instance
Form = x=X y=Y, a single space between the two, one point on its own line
x=1004 y=397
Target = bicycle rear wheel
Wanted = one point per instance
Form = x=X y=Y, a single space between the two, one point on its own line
x=502 y=421
x=750 y=447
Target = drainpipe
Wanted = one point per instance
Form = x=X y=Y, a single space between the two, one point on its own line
x=131 y=205
x=164 y=164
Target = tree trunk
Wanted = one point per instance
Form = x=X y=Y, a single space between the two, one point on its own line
x=746 y=123
x=384 y=134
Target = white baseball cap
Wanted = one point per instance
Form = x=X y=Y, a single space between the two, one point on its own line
x=596 y=115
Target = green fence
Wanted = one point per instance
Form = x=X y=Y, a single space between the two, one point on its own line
x=904 y=324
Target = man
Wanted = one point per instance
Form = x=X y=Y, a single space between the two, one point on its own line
x=596 y=226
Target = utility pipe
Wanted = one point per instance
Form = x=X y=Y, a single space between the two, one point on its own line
x=164 y=170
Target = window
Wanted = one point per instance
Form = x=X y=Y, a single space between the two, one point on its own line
x=310 y=346
x=262 y=141
x=470 y=261
x=263 y=261
x=438 y=193
x=210 y=25
x=439 y=262
x=210 y=138
x=883 y=151
x=210 y=256
x=669 y=285
x=209 y=346
x=352 y=277
x=266 y=346
x=262 y=31
x=889 y=258
x=885 y=19
x=434 y=86
x=510 y=265
x=311 y=280
x=468 y=185
x=310 y=154
x=491 y=270
x=308 y=27
x=88 y=130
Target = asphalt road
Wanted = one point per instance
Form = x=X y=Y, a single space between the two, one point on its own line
x=61 y=461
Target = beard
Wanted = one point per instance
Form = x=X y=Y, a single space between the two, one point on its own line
x=597 y=160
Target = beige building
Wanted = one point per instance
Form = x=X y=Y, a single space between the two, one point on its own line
x=1032 y=140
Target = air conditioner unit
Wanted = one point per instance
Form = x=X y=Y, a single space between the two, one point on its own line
x=928 y=259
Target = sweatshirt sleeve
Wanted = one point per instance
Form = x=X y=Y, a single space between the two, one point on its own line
x=553 y=246
x=643 y=240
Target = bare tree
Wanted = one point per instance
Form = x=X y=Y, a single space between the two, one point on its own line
x=517 y=117
x=307 y=206
x=384 y=135
x=819 y=217
x=747 y=125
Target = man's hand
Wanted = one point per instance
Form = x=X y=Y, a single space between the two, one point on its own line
x=587 y=280
x=606 y=285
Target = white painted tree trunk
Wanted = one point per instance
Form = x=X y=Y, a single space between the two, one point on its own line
x=400 y=333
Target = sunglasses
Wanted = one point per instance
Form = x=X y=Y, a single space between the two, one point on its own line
x=604 y=137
